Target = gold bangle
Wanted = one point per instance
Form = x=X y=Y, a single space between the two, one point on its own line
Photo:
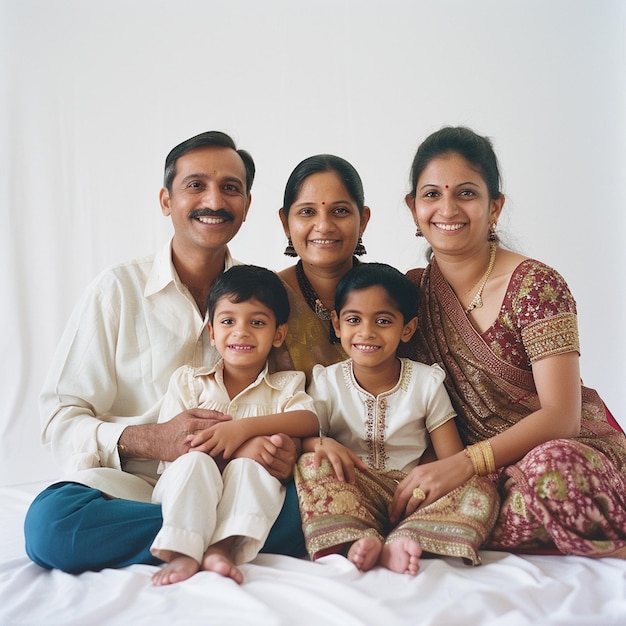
x=473 y=455
x=483 y=465
x=481 y=456
x=487 y=451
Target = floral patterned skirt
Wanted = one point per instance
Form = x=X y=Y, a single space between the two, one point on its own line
x=562 y=496
x=336 y=513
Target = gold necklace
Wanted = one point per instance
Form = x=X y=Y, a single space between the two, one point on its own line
x=477 y=300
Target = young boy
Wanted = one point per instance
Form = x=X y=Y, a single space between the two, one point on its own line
x=376 y=414
x=218 y=510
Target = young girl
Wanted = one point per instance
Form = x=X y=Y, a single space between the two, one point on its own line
x=218 y=510
x=376 y=413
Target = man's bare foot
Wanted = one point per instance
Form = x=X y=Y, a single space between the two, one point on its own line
x=218 y=560
x=181 y=567
x=402 y=555
x=364 y=552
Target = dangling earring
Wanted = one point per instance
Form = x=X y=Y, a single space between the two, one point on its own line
x=360 y=248
x=418 y=232
x=491 y=234
x=290 y=250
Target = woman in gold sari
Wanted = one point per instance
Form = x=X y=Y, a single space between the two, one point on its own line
x=324 y=217
x=504 y=328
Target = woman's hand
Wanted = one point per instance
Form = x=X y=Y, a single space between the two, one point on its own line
x=341 y=458
x=435 y=480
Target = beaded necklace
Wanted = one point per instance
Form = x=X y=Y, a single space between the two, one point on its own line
x=313 y=300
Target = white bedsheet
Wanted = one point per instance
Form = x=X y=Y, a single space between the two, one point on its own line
x=506 y=589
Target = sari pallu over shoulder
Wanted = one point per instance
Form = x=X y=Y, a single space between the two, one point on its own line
x=488 y=393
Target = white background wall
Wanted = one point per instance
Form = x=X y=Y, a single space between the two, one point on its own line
x=94 y=94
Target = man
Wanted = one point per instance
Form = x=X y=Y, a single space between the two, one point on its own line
x=137 y=323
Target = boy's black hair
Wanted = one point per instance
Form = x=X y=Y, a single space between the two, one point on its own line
x=241 y=283
x=400 y=289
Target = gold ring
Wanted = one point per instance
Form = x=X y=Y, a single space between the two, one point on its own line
x=419 y=494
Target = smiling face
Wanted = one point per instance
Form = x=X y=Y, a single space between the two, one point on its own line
x=452 y=206
x=244 y=333
x=208 y=201
x=324 y=223
x=370 y=327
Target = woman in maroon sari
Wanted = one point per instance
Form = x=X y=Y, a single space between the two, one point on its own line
x=504 y=328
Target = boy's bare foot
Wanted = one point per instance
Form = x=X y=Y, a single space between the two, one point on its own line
x=179 y=568
x=364 y=552
x=217 y=559
x=402 y=555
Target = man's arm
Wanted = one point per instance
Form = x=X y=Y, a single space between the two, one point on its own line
x=80 y=389
x=168 y=440
x=106 y=381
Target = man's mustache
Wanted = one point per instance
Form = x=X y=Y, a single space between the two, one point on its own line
x=223 y=213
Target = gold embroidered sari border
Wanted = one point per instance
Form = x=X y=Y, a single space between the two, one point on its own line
x=442 y=293
x=555 y=335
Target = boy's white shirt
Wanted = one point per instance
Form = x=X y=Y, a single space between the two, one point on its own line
x=204 y=388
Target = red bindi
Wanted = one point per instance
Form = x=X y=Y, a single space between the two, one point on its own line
x=446 y=186
x=323 y=203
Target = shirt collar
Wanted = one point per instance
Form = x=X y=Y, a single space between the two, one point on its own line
x=217 y=372
x=163 y=271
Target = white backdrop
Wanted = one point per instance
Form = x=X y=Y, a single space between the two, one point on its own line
x=95 y=93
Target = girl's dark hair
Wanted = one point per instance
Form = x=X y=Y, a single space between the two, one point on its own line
x=212 y=138
x=476 y=150
x=244 y=282
x=400 y=289
x=323 y=163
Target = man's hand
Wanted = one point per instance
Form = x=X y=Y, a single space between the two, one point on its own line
x=277 y=454
x=168 y=440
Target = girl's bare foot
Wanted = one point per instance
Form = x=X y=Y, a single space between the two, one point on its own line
x=179 y=568
x=402 y=555
x=364 y=552
x=217 y=559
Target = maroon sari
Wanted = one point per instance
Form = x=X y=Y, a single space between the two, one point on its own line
x=568 y=494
